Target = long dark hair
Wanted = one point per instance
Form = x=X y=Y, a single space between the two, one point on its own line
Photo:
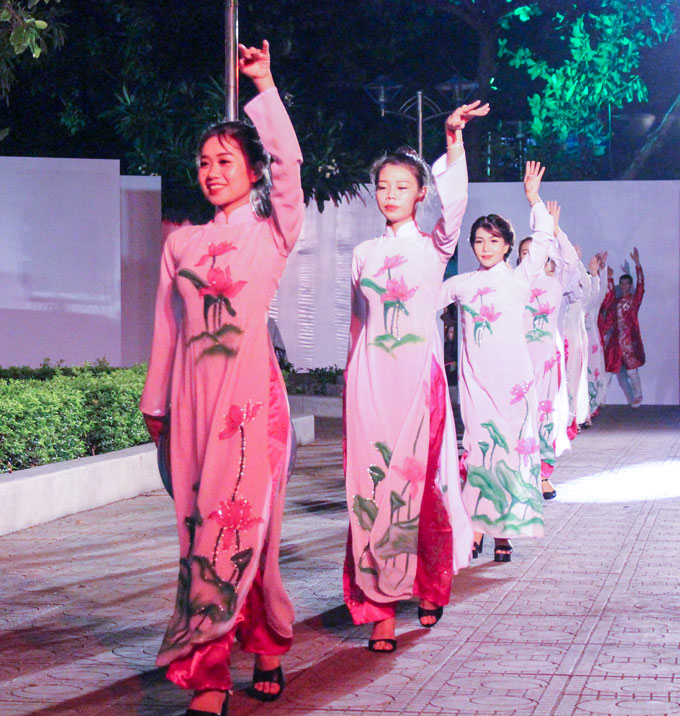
x=496 y=225
x=257 y=156
x=404 y=157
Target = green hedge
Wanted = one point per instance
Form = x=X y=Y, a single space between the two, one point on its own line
x=52 y=414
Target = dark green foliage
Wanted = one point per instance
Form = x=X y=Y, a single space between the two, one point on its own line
x=53 y=413
x=40 y=422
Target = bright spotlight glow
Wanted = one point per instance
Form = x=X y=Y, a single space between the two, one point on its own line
x=632 y=483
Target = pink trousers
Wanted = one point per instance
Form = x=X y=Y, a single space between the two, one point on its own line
x=435 y=537
x=206 y=668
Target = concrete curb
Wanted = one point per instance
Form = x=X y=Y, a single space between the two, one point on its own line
x=42 y=494
x=322 y=406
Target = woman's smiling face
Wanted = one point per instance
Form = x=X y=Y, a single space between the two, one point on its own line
x=489 y=248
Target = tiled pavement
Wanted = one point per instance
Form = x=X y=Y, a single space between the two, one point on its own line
x=585 y=621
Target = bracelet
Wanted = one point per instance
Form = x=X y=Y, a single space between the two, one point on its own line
x=538 y=201
x=456 y=144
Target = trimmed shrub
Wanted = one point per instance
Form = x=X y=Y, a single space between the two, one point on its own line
x=40 y=423
x=67 y=413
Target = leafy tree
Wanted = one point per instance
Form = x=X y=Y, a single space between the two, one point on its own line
x=571 y=115
x=584 y=55
x=24 y=26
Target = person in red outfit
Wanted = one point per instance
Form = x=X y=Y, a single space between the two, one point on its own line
x=619 y=327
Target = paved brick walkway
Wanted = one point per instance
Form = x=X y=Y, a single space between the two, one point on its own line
x=585 y=621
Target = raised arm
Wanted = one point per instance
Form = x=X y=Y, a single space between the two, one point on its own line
x=451 y=179
x=273 y=124
x=542 y=224
x=640 y=285
x=565 y=254
x=358 y=313
x=155 y=397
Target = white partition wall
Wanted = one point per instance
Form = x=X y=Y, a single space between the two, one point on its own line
x=312 y=306
x=141 y=245
x=60 y=269
x=62 y=257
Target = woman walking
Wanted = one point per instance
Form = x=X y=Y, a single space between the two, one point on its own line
x=409 y=532
x=229 y=430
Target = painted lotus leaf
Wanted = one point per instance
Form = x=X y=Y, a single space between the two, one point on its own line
x=396 y=501
x=470 y=310
x=400 y=538
x=215 y=599
x=484 y=447
x=384 y=451
x=372 y=284
x=548 y=427
x=366 y=512
x=496 y=435
x=513 y=482
x=408 y=338
x=481 y=478
x=193 y=277
x=242 y=559
x=218 y=349
x=511 y=523
x=536 y=471
x=377 y=474
x=531 y=308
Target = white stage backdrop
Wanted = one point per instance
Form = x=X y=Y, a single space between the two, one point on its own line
x=312 y=306
x=63 y=261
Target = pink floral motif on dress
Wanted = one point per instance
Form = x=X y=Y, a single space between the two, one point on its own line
x=520 y=390
x=484 y=317
x=413 y=471
x=526 y=447
x=398 y=291
x=221 y=284
x=390 y=263
x=234 y=518
x=545 y=408
x=215 y=250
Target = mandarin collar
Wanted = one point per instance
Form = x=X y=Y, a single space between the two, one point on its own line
x=409 y=229
x=498 y=268
x=237 y=216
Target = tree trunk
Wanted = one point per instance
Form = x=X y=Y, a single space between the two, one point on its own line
x=654 y=141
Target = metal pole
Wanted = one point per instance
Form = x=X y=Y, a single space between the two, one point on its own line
x=231 y=60
x=419 y=96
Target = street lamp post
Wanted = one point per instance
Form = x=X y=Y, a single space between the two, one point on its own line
x=231 y=59
x=419 y=108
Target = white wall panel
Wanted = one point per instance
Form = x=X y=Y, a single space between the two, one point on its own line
x=312 y=305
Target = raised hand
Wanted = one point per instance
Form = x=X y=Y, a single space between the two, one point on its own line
x=463 y=114
x=635 y=255
x=603 y=259
x=532 y=180
x=554 y=211
x=255 y=63
x=610 y=272
x=594 y=266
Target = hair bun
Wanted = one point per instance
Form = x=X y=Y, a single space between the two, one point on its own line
x=407 y=151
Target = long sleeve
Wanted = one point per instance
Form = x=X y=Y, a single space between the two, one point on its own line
x=585 y=283
x=448 y=293
x=542 y=228
x=639 y=288
x=155 y=397
x=278 y=137
x=358 y=308
x=567 y=258
x=452 y=186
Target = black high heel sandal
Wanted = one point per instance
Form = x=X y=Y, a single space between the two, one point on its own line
x=477 y=548
x=502 y=552
x=391 y=642
x=548 y=494
x=223 y=712
x=273 y=676
x=437 y=613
